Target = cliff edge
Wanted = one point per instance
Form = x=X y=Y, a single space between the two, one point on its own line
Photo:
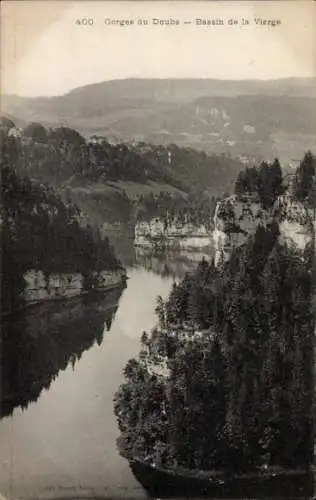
x=236 y=218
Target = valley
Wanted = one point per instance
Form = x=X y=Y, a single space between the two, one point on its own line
x=153 y=241
x=251 y=120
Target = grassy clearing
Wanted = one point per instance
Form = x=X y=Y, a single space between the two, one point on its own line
x=113 y=201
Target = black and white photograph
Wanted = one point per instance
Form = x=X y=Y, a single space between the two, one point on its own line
x=157 y=249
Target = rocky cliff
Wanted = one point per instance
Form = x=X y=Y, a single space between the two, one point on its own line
x=236 y=218
x=297 y=221
x=157 y=233
x=40 y=287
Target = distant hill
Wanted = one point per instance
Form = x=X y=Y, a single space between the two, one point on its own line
x=116 y=184
x=252 y=118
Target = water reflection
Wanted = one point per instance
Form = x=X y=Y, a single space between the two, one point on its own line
x=64 y=443
x=165 y=263
x=169 y=263
x=45 y=339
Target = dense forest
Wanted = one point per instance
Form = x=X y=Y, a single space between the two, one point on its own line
x=50 y=177
x=194 y=209
x=267 y=182
x=236 y=345
x=121 y=182
x=40 y=231
x=214 y=174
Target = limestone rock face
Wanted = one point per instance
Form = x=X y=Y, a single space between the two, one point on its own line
x=147 y=232
x=295 y=234
x=234 y=220
x=237 y=218
x=39 y=287
x=173 y=235
x=296 y=222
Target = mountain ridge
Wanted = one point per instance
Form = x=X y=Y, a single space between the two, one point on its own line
x=265 y=118
x=301 y=83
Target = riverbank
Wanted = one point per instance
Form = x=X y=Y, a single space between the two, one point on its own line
x=44 y=339
x=179 y=482
x=175 y=243
x=64 y=442
x=59 y=288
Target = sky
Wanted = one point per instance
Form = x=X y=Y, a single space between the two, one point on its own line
x=44 y=51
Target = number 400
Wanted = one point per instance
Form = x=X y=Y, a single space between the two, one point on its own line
x=85 y=21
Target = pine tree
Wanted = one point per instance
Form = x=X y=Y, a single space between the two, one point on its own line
x=276 y=179
x=305 y=176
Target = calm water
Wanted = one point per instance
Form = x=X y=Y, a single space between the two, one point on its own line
x=64 y=373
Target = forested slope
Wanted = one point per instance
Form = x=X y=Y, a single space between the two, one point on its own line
x=115 y=182
x=225 y=380
x=39 y=231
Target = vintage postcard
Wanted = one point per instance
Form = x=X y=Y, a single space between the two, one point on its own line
x=157 y=216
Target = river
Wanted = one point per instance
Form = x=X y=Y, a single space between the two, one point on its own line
x=62 y=365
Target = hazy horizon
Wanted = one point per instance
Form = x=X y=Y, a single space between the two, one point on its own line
x=44 y=53
x=267 y=80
